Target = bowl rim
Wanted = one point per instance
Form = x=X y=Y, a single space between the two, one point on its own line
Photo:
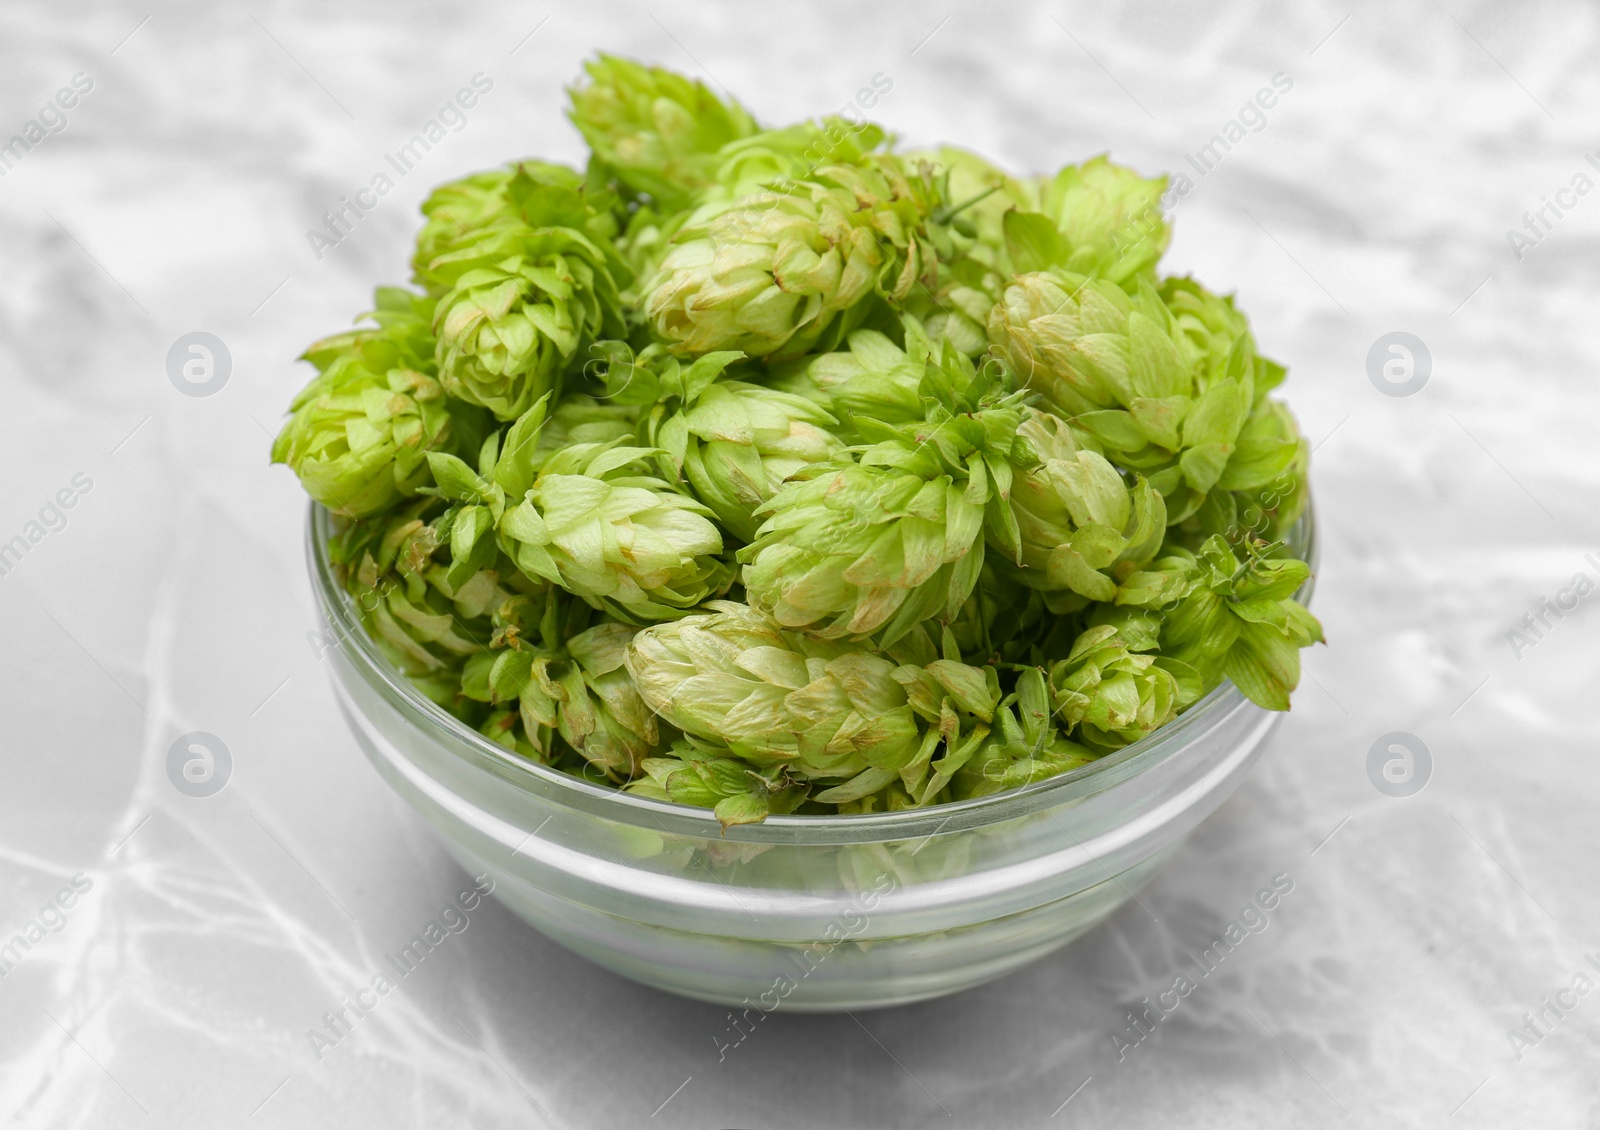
x=1210 y=712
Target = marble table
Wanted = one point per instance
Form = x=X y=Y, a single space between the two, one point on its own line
x=1421 y=169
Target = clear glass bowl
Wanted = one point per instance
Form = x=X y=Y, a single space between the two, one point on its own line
x=813 y=913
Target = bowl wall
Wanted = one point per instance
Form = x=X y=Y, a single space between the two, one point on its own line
x=810 y=913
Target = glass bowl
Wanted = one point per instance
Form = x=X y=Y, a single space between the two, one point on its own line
x=811 y=913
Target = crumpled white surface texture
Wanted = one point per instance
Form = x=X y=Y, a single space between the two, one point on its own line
x=217 y=931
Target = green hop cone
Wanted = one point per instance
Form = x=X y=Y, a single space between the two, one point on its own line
x=1024 y=746
x=968 y=232
x=743 y=168
x=744 y=442
x=894 y=536
x=701 y=774
x=426 y=626
x=593 y=523
x=575 y=688
x=1209 y=327
x=613 y=728
x=1228 y=618
x=726 y=676
x=361 y=430
x=981 y=194
x=787 y=269
x=523 y=304
x=1135 y=385
x=1087 y=346
x=733 y=441
x=524 y=296
x=1261 y=489
x=658 y=130
x=1270 y=511
x=453 y=212
x=1161 y=583
x=589 y=518
x=1097 y=219
x=775 y=157
x=1082 y=527
x=1110 y=696
x=526 y=194
x=872 y=379
x=579 y=418
x=818 y=710
x=403 y=321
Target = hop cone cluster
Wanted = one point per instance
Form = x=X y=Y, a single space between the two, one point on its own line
x=773 y=471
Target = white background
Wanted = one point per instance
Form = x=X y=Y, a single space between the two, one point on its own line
x=218 y=930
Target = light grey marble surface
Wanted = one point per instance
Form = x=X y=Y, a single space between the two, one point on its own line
x=177 y=991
